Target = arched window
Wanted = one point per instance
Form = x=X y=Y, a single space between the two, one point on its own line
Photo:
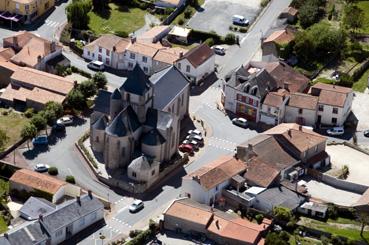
x=254 y=91
x=247 y=88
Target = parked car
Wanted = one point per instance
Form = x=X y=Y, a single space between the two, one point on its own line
x=366 y=133
x=336 y=131
x=194 y=143
x=194 y=132
x=136 y=206
x=96 y=65
x=58 y=127
x=240 y=20
x=40 y=140
x=40 y=167
x=197 y=138
x=218 y=50
x=241 y=122
x=66 y=120
x=186 y=148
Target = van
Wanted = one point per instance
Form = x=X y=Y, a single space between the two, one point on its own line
x=240 y=20
x=336 y=131
x=96 y=65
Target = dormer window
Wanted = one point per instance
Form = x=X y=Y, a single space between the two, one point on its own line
x=247 y=88
x=254 y=91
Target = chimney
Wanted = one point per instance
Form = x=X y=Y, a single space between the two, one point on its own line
x=15 y=41
x=290 y=133
x=180 y=54
x=300 y=127
x=217 y=224
x=78 y=200
x=39 y=58
x=286 y=86
x=90 y=194
x=6 y=235
x=40 y=217
x=249 y=147
x=52 y=46
x=133 y=39
x=28 y=50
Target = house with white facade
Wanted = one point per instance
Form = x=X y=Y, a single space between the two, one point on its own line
x=301 y=108
x=124 y=53
x=274 y=106
x=59 y=225
x=206 y=184
x=198 y=63
x=334 y=103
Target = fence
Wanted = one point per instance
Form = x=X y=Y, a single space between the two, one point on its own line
x=12 y=148
x=174 y=14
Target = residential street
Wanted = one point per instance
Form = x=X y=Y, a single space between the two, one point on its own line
x=222 y=139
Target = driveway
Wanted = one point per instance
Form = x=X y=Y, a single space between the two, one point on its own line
x=360 y=107
x=217 y=15
x=357 y=162
x=329 y=194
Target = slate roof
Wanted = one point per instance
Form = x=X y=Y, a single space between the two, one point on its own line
x=116 y=95
x=102 y=101
x=137 y=82
x=31 y=233
x=153 y=137
x=158 y=119
x=198 y=55
x=142 y=163
x=70 y=211
x=33 y=207
x=167 y=84
x=101 y=123
x=126 y=121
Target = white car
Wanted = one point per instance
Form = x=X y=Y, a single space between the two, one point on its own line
x=197 y=138
x=40 y=167
x=240 y=20
x=218 y=50
x=194 y=132
x=66 y=120
x=96 y=65
x=336 y=131
x=241 y=122
x=136 y=206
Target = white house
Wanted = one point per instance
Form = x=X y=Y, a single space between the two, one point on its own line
x=206 y=184
x=301 y=109
x=144 y=169
x=273 y=107
x=198 y=63
x=334 y=103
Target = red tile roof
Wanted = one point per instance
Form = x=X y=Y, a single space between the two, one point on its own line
x=198 y=55
x=260 y=173
x=304 y=101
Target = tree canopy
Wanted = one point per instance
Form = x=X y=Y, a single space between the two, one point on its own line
x=100 y=80
x=77 y=13
x=353 y=17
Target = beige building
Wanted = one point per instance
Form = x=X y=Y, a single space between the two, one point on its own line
x=301 y=108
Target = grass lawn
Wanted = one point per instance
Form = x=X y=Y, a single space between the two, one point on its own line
x=361 y=84
x=3 y=225
x=12 y=124
x=323 y=80
x=340 y=220
x=364 y=5
x=119 y=19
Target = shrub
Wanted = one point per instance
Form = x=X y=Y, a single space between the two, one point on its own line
x=29 y=112
x=259 y=218
x=282 y=214
x=5 y=113
x=121 y=34
x=70 y=179
x=332 y=211
x=243 y=29
x=134 y=233
x=264 y=3
x=180 y=21
x=53 y=171
x=230 y=38
x=210 y=42
x=188 y=13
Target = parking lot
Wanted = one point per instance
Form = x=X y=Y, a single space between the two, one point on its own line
x=217 y=15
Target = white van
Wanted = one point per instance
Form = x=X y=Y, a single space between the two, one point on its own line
x=336 y=131
x=96 y=65
x=240 y=20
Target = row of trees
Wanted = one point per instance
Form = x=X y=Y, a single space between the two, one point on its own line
x=77 y=13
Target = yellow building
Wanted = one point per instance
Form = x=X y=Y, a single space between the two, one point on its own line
x=27 y=10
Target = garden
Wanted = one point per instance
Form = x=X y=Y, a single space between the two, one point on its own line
x=11 y=123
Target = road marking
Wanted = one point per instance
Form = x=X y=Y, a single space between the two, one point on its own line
x=222 y=148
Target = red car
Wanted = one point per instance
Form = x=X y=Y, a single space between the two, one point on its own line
x=186 y=148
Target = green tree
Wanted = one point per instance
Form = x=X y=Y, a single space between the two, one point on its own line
x=100 y=5
x=309 y=14
x=49 y=116
x=88 y=88
x=282 y=214
x=28 y=132
x=3 y=139
x=56 y=107
x=274 y=238
x=100 y=80
x=77 y=13
x=76 y=100
x=39 y=121
x=353 y=17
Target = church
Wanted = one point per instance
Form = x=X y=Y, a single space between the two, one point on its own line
x=137 y=126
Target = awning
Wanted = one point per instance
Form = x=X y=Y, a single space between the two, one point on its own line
x=9 y=16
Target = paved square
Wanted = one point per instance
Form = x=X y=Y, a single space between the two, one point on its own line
x=217 y=15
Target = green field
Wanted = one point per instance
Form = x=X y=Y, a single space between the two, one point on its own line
x=117 y=20
x=362 y=83
x=364 y=5
x=12 y=124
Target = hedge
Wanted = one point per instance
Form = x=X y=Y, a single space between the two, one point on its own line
x=81 y=72
x=70 y=179
x=141 y=238
x=85 y=151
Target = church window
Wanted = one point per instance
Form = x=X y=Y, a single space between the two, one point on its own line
x=134 y=174
x=153 y=172
x=97 y=139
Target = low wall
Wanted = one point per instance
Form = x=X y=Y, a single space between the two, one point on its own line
x=174 y=14
x=12 y=148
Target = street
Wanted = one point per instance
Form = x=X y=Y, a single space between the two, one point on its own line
x=222 y=139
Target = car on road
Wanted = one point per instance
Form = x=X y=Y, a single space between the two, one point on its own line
x=96 y=65
x=195 y=137
x=66 y=120
x=186 y=148
x=136 y=206
x=194 y=143
x=57 y=127
x=336 y=131
x=194 y=132
x=40 y=140
x=40 y=167
x=240 y=20
x=241 y=122
x=219 y=50
x=366 y=133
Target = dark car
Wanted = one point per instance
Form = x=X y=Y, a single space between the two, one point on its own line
x=40 y=140
x=366 y=133
x=59 y=127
